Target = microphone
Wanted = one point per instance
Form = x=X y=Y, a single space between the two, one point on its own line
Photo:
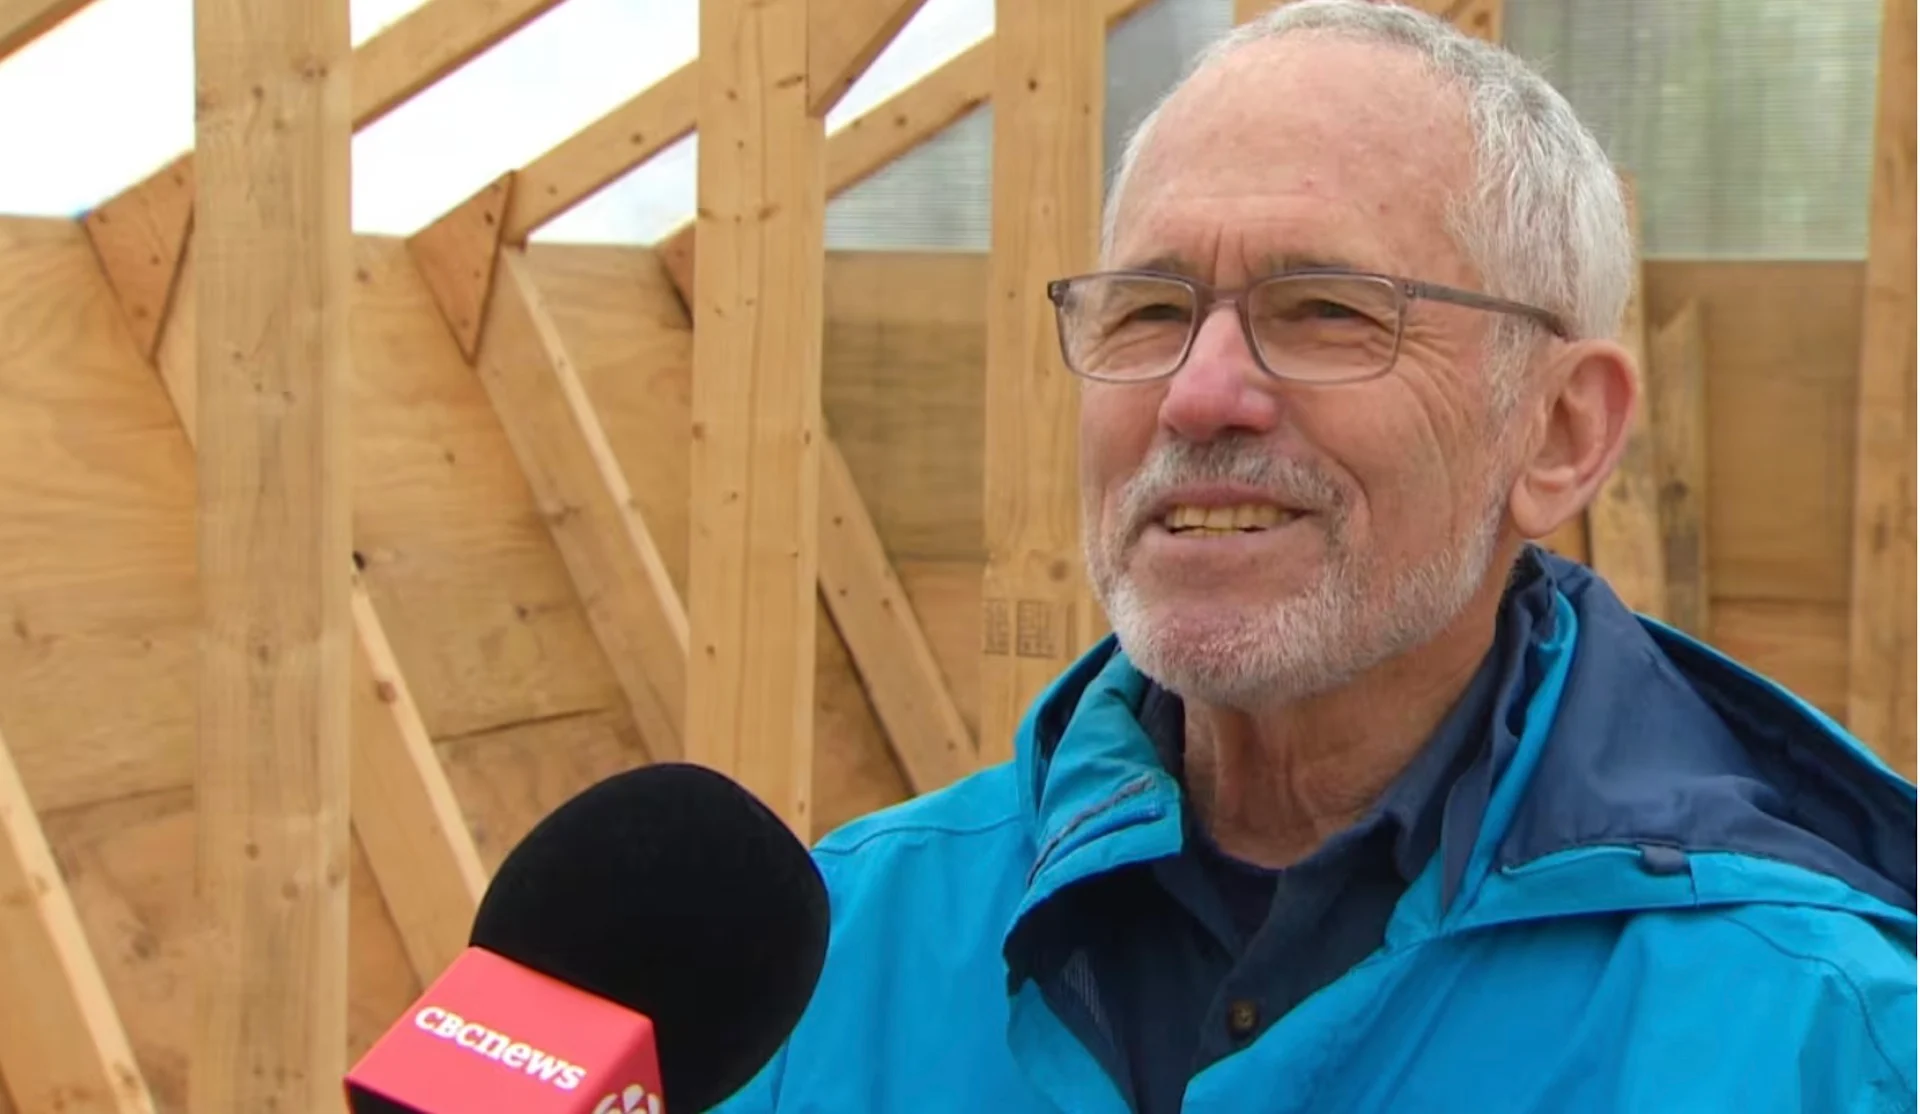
x=652 y=941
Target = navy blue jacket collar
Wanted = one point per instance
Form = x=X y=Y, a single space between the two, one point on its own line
x=1654 y=743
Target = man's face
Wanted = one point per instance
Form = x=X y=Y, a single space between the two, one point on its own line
x=1366 y=512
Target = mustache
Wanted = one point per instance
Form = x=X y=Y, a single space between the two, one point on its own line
x=1292 y=483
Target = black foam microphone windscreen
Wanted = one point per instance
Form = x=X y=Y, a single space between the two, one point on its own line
x=670 y=890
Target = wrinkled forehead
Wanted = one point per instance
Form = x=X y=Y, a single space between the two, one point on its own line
x=1310 y=147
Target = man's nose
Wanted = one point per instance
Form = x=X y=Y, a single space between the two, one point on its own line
x=1220 y=389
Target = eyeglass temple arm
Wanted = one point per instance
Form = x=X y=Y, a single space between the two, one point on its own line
x=1488 y=302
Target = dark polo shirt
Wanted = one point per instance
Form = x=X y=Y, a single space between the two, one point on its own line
x=1184 y=960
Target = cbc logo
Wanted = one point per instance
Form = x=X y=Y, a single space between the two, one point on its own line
x=633 y=1100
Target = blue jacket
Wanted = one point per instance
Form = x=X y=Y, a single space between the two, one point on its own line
x=1683 y=890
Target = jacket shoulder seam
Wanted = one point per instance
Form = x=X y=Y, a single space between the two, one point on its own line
x=1846 y=977
x=913 y=827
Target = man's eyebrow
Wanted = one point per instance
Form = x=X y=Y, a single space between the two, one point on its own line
x=1166 y=264
x=1293 y=262
x=1282 y=264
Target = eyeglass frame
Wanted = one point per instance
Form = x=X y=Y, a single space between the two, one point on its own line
x=1207 y=298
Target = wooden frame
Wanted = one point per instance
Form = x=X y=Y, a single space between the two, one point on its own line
x=272 y=784
x=1880 y=673
x=1037 y=613
x=22 y=21
x=62 y=1044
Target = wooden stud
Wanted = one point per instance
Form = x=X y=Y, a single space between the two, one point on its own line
x=1037 y=613
x=426 y=44
x=601 y=152
x=1623 y=523
x=1880 y=673
x=1677 y=404
x=410 y=824
x=140 y=237
x=62 y=1045
x=562 y=448
x=909 y=118
x=627 y=136
x=676 y=255
x=866 y=144
x=754 y=560
x=456 y=254
x=876 y=619
x=843 y=39
x=22 y=21
x=275 y=274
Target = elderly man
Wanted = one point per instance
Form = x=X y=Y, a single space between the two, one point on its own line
x=1369 y=804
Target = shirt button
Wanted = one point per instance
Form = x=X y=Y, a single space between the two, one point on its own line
x=1242 y=1016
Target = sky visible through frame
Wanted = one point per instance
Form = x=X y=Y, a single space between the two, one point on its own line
x=106 y=98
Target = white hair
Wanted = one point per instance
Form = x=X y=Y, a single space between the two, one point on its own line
x=1545 y=220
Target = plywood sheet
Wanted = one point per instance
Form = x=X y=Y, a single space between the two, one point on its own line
x=509 y=778
x=97 y=578
x=129 y=864
x=903 y=391
x=1801 y=645
x=481 y=613
x=854 y=770
x=632 y=346
x=631 y=343
x=946 y=597
x=1783 y=352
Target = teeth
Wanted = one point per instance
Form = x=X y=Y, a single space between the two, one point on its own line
x=1224 y=520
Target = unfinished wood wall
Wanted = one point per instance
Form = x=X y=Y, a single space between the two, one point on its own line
x=98 y=594
x=97 y=589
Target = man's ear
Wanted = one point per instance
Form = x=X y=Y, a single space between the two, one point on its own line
x=1582 y=417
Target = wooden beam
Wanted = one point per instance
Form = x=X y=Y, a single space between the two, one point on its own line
x=876 y=619
x=455 y=255
x=909 y=118
x=590 y=511
x=1677 y=403
x=424 y=46
x=428 y=43
x=601 y=152
x=1037 y=613
x=1623 y=523
x=410 y=824
x=856 y=579
x=757 y=336
x=867 y=143
x=843 y=39
x=62 y=1045
x=273 y=133
x=877 y=137
x=1880 y=674
x=140 y=238
x=22 y=21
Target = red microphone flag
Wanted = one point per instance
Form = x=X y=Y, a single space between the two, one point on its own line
x=492 y=1037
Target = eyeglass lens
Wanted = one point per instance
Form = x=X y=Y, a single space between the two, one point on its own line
x=1323 y=327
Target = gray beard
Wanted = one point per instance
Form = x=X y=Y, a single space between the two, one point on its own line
x=1354 y=616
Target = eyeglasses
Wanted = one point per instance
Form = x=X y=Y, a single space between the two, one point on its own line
x=1307 y=326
